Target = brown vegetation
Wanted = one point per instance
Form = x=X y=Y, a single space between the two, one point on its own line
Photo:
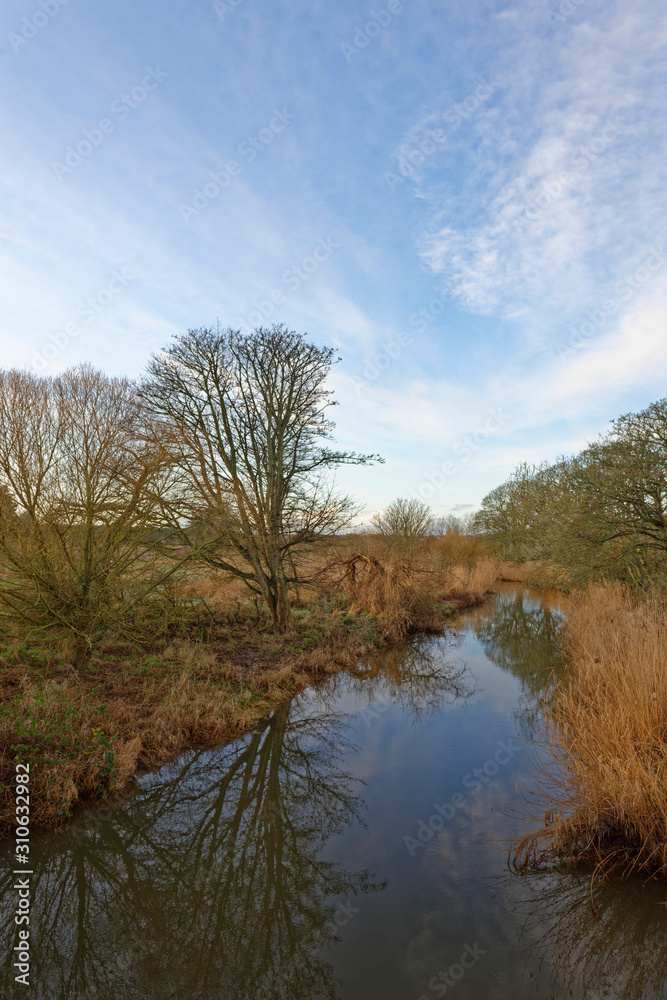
x=518 y=572
x=214 y=666
x=605 y=780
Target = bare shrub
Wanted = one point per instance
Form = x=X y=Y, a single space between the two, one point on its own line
x=404 y=523
x=84 y=482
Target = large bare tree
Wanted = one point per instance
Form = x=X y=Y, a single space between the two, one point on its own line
x=83 y=482
x=250 y=413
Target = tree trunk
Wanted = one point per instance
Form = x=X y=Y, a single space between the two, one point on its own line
x=283 y=619
x=82 y=655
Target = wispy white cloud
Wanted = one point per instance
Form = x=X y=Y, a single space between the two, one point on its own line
x=632 y=354
x=558 y=192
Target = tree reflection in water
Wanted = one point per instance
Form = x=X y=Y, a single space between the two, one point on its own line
x=416 y=675
x=522 y=635
x=206 y=885
x=208 y=881
x=618 y=953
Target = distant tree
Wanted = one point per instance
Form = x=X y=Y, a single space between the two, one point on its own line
x=599 y=514
x=405 y=522
x=462 y=524
x=249 y=413
x=443 y=523
x=624 y=480
x=83 y=482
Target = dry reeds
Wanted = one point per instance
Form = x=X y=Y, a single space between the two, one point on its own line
x=412 y=594
x=605 y=781
x=518 y=572
x=456 y=549
x=390 y=592
x=474 y=582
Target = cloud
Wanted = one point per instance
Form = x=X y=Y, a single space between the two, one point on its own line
x=559 y=183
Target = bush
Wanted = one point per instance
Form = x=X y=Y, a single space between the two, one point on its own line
x=404 y=523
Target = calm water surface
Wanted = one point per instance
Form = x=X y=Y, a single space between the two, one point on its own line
x=354 y=846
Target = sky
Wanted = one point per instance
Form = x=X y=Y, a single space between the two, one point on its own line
x=466 y=200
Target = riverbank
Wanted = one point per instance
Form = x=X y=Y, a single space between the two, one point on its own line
x=605 y=739
x=213 y=673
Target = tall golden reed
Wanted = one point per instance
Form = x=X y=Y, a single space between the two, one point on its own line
x=605 y=777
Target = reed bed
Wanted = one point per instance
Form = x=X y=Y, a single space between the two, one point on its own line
x=604 y=784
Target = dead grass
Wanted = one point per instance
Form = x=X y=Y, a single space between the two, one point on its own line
x=408 y=595
x=455 y=549
x=472 y=583
x=605 y=785
x=518 y=572
x=213 y=671
x=541 y=575
x=85 y=736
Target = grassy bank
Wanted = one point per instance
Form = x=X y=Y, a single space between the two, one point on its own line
x=212 y=667
x=605 y=783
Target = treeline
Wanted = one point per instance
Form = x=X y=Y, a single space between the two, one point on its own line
x=107 y=487
x=599 y=515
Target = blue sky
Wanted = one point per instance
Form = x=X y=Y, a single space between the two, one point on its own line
x=468 y=201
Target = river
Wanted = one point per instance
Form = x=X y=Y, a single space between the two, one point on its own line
x=355 y=845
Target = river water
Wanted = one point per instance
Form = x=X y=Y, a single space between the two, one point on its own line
x=355 y=845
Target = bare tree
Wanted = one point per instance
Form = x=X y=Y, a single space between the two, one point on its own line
x=405 y=522
x=83 y=481
x=248 y=411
